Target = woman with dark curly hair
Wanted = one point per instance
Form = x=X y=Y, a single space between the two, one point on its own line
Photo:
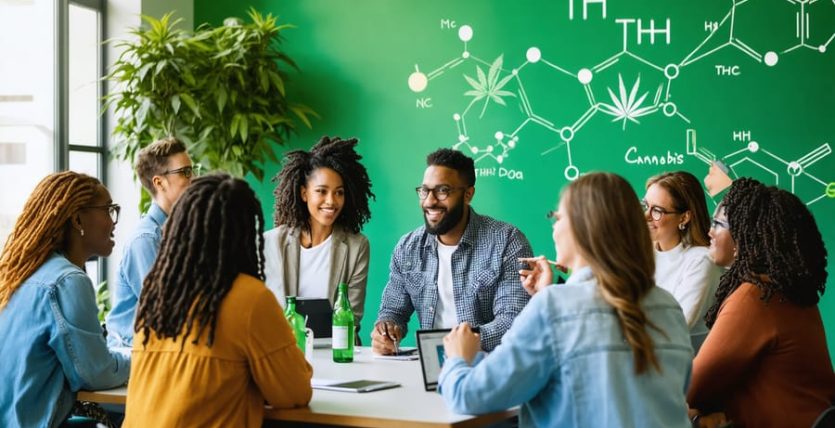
x=765 y=360
x=321 y=204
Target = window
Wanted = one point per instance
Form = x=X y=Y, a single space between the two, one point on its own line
x=27 y=100
x=81 y=141
x=51 y=64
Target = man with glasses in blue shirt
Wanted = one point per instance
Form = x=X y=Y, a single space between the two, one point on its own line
x=459 y=267
x=165 y=171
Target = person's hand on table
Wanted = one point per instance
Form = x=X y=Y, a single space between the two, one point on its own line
x=385 y=338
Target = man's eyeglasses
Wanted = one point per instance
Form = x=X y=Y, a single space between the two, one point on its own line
x=719 y=224
x=113 y=210
x=440 y=192
x=186 y=171
x=656 y=212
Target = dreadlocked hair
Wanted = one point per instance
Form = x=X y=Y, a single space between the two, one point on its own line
x=214 y=234
x=338 y=155
x=779 y=246
x=609 y=229
x=42 y=226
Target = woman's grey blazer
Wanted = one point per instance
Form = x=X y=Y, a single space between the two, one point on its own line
x=349 y=264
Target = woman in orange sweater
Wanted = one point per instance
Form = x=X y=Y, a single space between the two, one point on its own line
x=765 y=360
x=212 y=343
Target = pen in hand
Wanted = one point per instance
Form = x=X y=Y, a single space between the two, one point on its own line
x=395 y=339
x=559 y=267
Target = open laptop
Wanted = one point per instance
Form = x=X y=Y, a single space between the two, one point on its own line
x=319 y=315
x=431 y=349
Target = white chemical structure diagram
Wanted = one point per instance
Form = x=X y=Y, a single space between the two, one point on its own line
x=626 y=103
x=795 y=169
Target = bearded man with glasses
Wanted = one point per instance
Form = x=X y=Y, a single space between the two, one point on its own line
x=459 y=267
x=165 y=171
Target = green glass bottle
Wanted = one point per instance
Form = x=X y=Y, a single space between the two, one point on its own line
x=296 y=321
x=343 y=327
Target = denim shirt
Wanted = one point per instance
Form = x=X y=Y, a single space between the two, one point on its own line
x=566 y=362
x=485 y=278
x=51 y=345
x=137 y=259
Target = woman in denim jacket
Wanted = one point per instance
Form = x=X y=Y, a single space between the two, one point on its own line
x=51 y=342
x=606 y=349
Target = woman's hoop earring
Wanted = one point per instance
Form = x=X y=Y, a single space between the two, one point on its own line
x=682 y=226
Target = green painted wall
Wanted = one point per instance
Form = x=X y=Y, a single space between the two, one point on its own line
x=733 y=101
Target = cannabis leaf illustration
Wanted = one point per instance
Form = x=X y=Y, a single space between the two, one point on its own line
x=626 y=107
x=488 y=87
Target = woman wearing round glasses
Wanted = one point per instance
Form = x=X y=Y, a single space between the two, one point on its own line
x=321 y=205
x=51 y=341
x=676 y=214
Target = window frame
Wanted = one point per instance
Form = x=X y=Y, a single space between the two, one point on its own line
x=62 y=57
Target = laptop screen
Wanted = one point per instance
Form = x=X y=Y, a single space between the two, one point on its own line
x=431 y=349
x=319 y=315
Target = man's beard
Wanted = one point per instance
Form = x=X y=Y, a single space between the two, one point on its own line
x=451 y=218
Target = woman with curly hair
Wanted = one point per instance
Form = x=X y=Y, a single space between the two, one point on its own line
x=321 y=204
x=765 y=361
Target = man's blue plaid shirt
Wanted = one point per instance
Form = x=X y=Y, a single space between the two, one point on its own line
x=485 y=271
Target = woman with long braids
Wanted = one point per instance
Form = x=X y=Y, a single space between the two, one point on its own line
x=51 y=342
x=765 y=361
x=608 y=348
x=321 y=204
x=211 y=341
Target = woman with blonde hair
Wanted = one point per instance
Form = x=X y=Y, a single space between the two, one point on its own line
x=51 y=341
x=607 y=348
x=678 y=222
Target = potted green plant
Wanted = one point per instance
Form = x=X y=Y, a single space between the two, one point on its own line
x=220 y=90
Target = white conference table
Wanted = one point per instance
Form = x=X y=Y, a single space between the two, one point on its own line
x=409 y=405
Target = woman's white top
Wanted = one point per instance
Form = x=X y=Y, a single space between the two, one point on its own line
x=315 y=269
x=691 y=277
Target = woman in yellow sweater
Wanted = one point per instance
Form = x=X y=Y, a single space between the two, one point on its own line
x=211 y=341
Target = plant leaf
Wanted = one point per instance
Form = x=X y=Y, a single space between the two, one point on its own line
x=482 y=79
x=634 y=92
x=244 y=127
x=221 y=98
x=476 y=85
x=191 y=104
x=493 y=74
x=626 y=107
x=236 y=119
x=175 y=103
